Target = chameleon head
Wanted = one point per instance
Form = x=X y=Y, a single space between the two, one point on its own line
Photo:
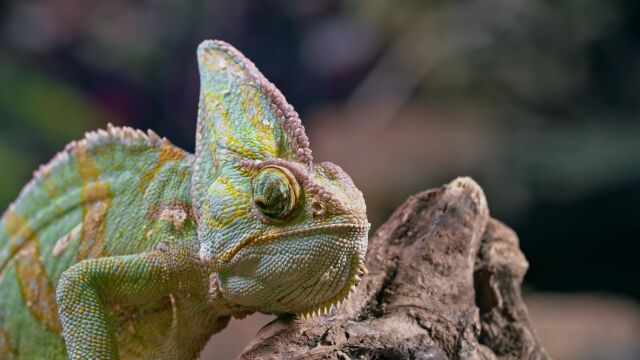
x=282 y=234
x=300 y=242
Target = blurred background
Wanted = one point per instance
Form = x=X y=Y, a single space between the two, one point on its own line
x=537 y=100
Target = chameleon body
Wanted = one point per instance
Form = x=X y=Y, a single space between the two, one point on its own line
x=125 y=246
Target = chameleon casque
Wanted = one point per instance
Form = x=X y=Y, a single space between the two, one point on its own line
x=125 y=246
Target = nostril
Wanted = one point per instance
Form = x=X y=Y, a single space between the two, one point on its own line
x=317 y=208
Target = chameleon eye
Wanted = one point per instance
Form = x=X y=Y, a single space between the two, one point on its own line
x=275 y=193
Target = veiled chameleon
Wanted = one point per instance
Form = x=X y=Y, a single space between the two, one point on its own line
x=127 y=246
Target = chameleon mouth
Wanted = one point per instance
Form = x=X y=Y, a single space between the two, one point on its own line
x=228 y=255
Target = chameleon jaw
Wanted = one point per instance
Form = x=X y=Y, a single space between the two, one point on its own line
x=358 y=269
x=353 y=268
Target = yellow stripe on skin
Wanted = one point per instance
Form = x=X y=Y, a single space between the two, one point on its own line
x=96 y=199
x=224 y=187
x=17 y=227
x=49 y=185
x=264 y=131
x=86 y=167
x=234 y=138
x=168 y=153
x=36 y=288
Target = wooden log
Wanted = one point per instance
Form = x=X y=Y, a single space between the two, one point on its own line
x=444 y=283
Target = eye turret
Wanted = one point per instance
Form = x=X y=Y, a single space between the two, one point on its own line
x=275 y=193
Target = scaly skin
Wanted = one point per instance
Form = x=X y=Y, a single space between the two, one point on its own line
x=125 y=246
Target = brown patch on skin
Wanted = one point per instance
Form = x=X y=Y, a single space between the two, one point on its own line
x=175 y=216
x=36 y=288
x=63 y=242
x=168 y=152
x=176 y=212
x=5 y=344
x=96 y=199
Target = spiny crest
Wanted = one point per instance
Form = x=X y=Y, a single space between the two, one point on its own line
x=113 y=135
x=123 y=136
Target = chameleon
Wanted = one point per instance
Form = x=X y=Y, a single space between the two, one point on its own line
x=126 y=246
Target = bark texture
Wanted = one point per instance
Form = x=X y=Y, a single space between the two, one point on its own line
x=444 y=283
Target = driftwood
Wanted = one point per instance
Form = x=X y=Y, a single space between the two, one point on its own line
x=444 y=283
